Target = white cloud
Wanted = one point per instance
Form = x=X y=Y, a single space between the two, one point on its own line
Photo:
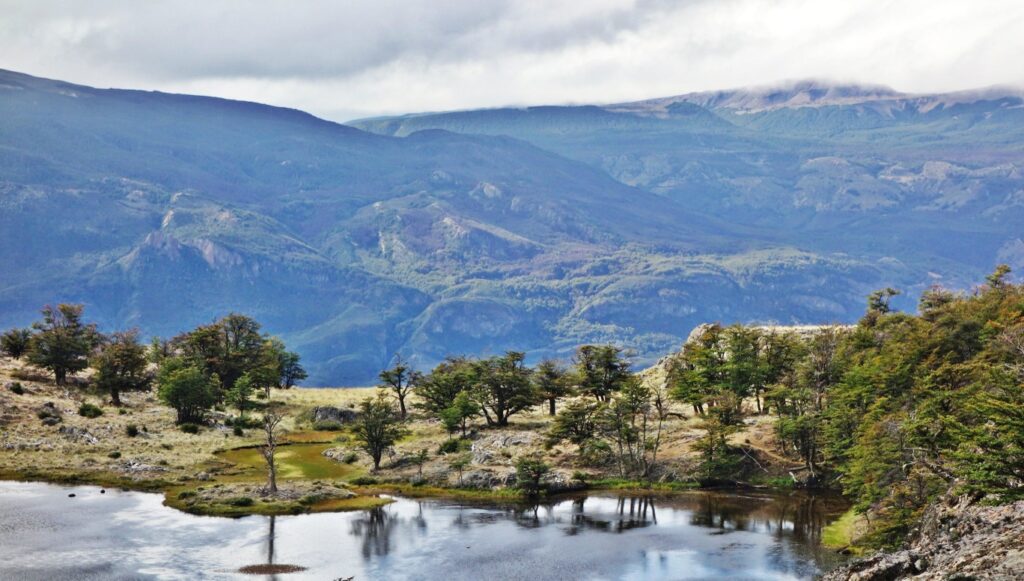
x=344 y=59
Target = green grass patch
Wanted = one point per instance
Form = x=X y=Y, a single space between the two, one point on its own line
x=840 y=533
x=293 y=461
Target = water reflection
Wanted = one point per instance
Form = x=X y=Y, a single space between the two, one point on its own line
x=121 y=535
x=796 y=518
x=375 y=529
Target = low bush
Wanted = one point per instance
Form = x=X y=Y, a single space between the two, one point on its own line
x=189 y=428
x=363 y=481
x=328 y=426
x=238 y=431
x=350 y=457
x=16 y=388
x=114 y=455
x=131 y=430
x=454 y=446
x=88 y=410
x=241 y=501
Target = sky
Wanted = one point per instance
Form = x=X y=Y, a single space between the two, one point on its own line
x=344 y=59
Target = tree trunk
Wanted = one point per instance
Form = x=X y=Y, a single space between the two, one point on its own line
x=272 y=474
x=551 y=406
x=401 y=405
x=115 y=397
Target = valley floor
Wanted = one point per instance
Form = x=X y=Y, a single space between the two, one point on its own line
x=217 y=471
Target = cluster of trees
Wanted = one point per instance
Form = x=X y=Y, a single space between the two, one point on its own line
x=225 y=362
x=228 y=362
x=896 y=410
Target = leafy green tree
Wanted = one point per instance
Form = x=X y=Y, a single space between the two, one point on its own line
x=698 y=375
x=290 y=368
x=377 y=427
x=552 y=382
x=62 y=341
x=240 y=395
x=529 y=472
x=186 y=389
x=576 y=423
x=456 y=416
x=632 y=422
x=438 y=390
x=121 y=365
x=400 y=380
x=459 y=462
x=504 y=388
x=227 y=348
x=601 y=370
x=14 y=342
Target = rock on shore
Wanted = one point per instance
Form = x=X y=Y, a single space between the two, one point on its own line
x=956 y=541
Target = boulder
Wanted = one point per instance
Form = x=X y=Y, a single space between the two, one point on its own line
x=78 y=435
x=333 y=414
x=501 y=448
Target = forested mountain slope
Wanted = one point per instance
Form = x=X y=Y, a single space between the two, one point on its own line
x=164 y=211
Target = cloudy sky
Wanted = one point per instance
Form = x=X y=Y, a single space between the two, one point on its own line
x=343 y=59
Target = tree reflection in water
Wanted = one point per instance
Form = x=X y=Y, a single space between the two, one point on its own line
x=375 y=528
x=797 y=517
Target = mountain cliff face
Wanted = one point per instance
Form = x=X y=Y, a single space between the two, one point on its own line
x=933 y=181
x=164 y=211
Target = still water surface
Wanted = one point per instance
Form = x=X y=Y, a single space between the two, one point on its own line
x=44 y=534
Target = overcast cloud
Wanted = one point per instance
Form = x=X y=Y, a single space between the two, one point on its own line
x=345 y=59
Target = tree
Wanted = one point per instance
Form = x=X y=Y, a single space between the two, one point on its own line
x=121 y=365
x=878 y=301
x=698 y=375
x=400 y=380
x=458 y=463
x=186 y=389
x=438 y=390
x=601 y=370
x=575 y=423
x=552 y=382
x=240 y=395
x=529 y=472
x=504 y=388
x=159 y=349
x=14 y=342
x=456 y=416
x=269 y=448
x=292 y=371
x=420 y=458
x=377 y=427
x=62 y=342
x=633 y=422
x=227 y=348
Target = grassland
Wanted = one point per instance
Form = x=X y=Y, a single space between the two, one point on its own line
x=221 y=472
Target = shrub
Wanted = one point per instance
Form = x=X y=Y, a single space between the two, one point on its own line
x=189 y=428
x=350 y=457
x=186 y=494
x=529 y=471
x=241 y=501
x=16 y=388
x=238 y=431
x=363 y=481
x=88 y=410
x=328 y=426
x=122 y=412
x=114 y=455
x=454 y=446
x=132 y=430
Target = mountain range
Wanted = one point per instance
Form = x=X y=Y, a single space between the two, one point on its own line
x=473 y=232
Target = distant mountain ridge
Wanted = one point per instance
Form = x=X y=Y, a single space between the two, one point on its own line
x=565 y=225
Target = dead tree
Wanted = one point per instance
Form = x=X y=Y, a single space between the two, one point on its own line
x=270 y=422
